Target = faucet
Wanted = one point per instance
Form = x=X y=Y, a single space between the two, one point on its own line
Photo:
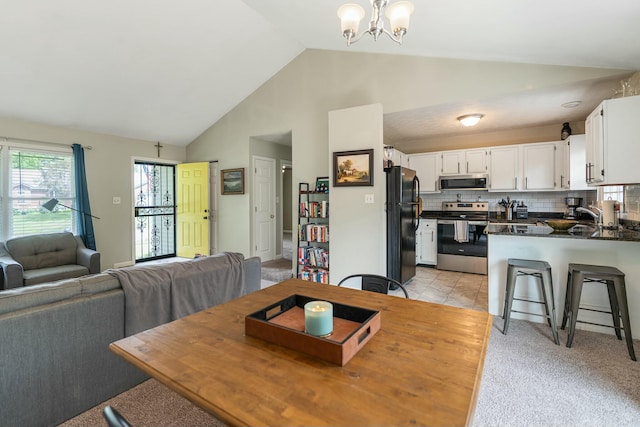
x=597 y=217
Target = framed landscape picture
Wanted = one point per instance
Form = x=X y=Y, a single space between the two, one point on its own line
x=353 y=168
x=232 y=181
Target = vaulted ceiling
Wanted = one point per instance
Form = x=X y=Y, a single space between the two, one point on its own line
x=163 y=70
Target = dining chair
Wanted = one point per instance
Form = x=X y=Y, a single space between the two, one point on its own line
x=114 y=418
x=376 y=283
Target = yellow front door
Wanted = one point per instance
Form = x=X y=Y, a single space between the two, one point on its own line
x=192 y=197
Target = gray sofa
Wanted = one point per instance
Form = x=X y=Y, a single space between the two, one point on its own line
x=42 y=258
x=54 y=337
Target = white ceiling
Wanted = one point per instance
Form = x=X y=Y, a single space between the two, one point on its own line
x=164 y=70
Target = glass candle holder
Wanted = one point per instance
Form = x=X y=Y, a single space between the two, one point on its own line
x=318 y=318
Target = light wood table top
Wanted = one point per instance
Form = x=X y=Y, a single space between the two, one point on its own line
x=422 y=368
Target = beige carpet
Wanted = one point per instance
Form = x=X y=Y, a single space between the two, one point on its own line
x=527 y=381
x=149 y=404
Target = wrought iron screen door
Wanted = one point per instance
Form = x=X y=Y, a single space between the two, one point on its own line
x=155 y=211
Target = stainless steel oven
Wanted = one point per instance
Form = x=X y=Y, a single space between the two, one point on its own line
x=462 y=244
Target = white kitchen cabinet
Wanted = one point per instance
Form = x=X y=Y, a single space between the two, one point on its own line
x=427 y=167
x=539 y=167
x=475 y=161
x=504 y=164
x=400 y=159
x=463 y=162
x=612 y=150
x=563 y=165
x=570 y=164
x=452 y=162
x=427 y=242
x=594 y=148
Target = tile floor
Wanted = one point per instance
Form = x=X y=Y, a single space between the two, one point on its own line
x=449 y=288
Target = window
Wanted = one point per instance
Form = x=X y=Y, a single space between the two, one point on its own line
x=30 y=177
x=612 y=192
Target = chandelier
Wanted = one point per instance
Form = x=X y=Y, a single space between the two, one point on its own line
x=398 y=14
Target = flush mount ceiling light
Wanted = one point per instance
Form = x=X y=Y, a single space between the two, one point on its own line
x=398 y=14
x=571 y=104
x=470 y=119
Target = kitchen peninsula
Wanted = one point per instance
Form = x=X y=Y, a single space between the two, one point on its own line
x=584 y=245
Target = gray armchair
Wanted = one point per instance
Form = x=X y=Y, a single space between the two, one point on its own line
x=41 y=258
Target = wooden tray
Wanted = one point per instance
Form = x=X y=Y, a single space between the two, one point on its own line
x=282 y=323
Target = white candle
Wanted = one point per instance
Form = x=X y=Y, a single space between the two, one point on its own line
x=318 y=318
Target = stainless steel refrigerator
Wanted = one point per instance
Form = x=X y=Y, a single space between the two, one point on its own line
x=403 y=204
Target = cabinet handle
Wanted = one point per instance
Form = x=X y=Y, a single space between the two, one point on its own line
x=458 y=167
x=561 y=177
x=516 y=184
x=431 y=235
x=586 y=172
x=467 y=167
x=526 y=183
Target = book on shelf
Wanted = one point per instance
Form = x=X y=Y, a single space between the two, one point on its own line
x=314 y=275
x=319 y=209
x=313 y=256
x=313 y=232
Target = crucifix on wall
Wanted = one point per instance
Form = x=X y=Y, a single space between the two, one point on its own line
x=158 y=146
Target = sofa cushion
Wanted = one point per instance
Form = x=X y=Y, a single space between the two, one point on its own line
x=33 y=296
x=52 y=274
x=43 y=250
x=97 y=283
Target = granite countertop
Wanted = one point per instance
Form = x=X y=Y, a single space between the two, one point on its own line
x=580 y=231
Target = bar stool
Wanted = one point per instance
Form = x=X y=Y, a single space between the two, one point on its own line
x=542 y=271
x=616 y=288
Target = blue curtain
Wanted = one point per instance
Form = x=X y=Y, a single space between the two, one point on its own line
x=85 y=222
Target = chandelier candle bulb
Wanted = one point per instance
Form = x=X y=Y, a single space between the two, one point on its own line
x=318 y=318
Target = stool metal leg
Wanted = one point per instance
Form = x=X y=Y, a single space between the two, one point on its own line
x=615 y=308
x=576 y=290
x=548 y=282
x=512 y=275
x=624 y=312
x=567 y=300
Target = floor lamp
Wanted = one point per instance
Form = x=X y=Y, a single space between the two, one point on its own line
x=54 y=202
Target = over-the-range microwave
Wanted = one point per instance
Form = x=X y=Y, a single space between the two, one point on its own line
x=463 y=182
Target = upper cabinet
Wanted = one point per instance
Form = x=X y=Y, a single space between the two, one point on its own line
x=563 y=164
x=539 y=167
x=400 y=159
x=427 y=167
x=577 y=178
x=612 y=132
x=504 y=164
x=452 y=162
x=464 y=162
x=475 y=161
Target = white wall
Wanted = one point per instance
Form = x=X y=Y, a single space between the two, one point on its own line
x=109 y=174
x=357 y=229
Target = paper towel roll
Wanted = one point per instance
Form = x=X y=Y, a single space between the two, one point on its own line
x=609 y=217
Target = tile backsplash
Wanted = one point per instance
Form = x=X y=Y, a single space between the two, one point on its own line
x=543 y=201
x=631 y=207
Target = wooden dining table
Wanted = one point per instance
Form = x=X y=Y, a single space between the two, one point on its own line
x=423 y=367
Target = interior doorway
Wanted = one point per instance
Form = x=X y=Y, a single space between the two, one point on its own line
x=286 y=209
x=264 y=202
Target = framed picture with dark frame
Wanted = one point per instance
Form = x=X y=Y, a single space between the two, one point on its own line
x=232 y=181
x=353 y=168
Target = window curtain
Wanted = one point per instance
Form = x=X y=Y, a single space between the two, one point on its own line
x=85 y=222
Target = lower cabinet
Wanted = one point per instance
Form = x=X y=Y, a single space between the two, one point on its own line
x=427 y=242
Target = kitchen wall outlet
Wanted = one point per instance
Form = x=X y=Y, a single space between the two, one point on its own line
x=116 y=200
x=368 y=198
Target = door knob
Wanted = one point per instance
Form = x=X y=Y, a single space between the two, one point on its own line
x=272 y=216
